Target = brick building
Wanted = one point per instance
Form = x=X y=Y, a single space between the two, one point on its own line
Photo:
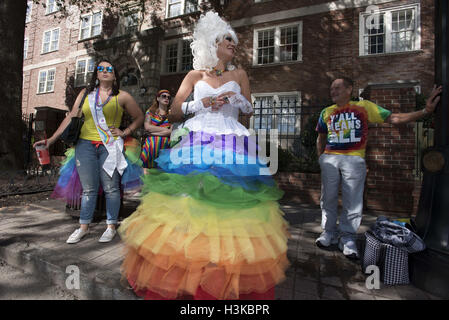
x=291 y=49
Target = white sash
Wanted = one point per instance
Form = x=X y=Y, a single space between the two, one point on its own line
x=115 y=159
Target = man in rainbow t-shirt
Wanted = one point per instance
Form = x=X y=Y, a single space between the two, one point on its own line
x=341 y=144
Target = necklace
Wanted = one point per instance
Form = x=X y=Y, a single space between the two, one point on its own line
x=218 y=72
x=97 y=96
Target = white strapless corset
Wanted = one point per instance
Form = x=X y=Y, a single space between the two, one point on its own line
x=223 y=121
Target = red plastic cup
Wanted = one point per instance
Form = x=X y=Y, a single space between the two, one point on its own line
x=42 y=154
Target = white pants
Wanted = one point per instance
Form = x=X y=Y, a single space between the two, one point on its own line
x=351 y=172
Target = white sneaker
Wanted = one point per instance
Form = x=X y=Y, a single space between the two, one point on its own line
x=349 y=248
x=326 y=239
x=108 y=235
x=77 y=235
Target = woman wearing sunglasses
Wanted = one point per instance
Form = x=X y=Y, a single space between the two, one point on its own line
x=99 y=158
x=158 y=129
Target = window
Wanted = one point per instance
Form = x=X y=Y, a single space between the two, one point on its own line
x=171 y=58
x=277 y=111
x=50 y=40
x=397 y=30
x=132 y=22
x=278 y=44
x=25 y=48
x=177 y=56
x=403 y=30
x=46 y=81
x=179 y=7
x=90 y=25
x=51 y=6
x=29 y=11
x=265 y=47
x=84 y=69
x=186 y=56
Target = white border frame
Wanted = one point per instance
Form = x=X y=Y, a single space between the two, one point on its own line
x=46 y=80
x=90 y=27
x=183 y=6
x=388 y=27
x=86 y=58
x=165 y=43
x=51 y=33
x=46 y=7
x=31 y=11
x=25 y=48
x=277 y=41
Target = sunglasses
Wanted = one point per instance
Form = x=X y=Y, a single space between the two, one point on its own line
x=108 y=69
x=165 y=96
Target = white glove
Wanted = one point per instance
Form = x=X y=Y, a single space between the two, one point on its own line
x=192 y=106
x=239 y=101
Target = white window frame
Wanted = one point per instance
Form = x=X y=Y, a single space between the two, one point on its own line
x=55 y=7
x=25 y=48
x=179 y=43
x=86 y=59
x=46 y=81
x=276 y=99
x=90 y=25
x=277 y=43
x=388 y=29
x=49 y=43
x=183 y=7
x=28 y=16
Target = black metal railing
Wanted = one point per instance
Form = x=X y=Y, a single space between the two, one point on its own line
x=32 y=178
x=295 y=123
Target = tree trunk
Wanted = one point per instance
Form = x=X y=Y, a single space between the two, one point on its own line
x=12 y=29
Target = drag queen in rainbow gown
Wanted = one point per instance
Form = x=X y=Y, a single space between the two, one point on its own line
x=209 y=225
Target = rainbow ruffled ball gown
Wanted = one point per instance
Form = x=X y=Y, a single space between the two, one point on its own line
x=209 y=225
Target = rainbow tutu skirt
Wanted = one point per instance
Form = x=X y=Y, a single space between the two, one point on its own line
x=209 y=225
x=69 y=189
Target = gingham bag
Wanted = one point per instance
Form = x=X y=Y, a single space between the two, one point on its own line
x=392 y=261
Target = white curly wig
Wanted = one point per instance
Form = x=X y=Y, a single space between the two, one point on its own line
x=209 y=31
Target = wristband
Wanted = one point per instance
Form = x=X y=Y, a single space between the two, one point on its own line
x=192 y=106
x=424 y=111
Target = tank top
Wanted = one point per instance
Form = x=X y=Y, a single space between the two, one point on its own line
x=89 y=130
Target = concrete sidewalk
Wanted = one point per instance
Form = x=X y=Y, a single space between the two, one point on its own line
x=33 y=238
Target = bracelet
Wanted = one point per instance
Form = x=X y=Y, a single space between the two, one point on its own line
x=424 y=111
x=212 y=101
